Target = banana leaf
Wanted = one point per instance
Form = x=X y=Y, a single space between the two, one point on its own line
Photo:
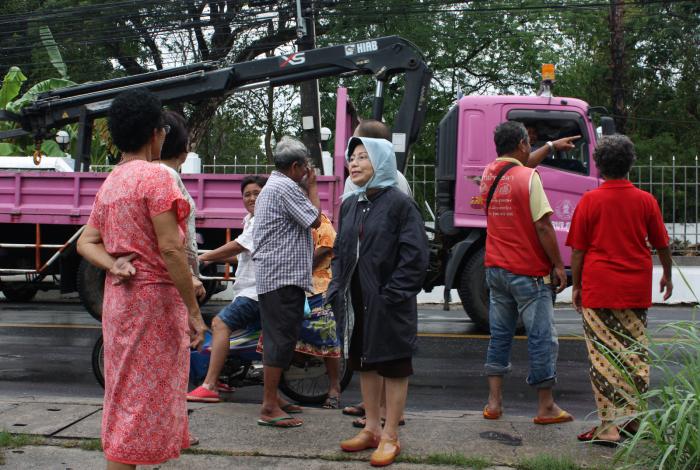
x=52 y=49
x=31 y=94
x=11 y=150
x=11 y=85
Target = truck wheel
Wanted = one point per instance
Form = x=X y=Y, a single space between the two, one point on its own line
x=19 y=292
x=91 y=286
x=98 y=361
x=473 y=291
x=475 y=294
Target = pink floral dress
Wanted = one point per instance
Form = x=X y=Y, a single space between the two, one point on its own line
x=144 y=321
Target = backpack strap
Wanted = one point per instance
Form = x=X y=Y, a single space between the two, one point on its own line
x=492 y=189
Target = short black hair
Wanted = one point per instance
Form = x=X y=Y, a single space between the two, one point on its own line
x=614 y=156
x=175 y=143
x=508 y=135
x=373 y=128
x=132 y=117
x=253 y=179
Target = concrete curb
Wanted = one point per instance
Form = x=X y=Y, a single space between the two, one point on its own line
x=228 y=433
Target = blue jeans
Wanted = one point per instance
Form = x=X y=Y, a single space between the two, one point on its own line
x=513 y=295
x=241 y=313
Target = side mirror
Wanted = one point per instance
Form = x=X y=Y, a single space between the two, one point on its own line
x=608 y=125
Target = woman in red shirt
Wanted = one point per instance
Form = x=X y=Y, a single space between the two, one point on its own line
x=610 y=234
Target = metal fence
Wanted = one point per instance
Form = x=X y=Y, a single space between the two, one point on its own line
x=674 y=186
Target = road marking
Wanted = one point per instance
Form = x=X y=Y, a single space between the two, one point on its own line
x=50 y=325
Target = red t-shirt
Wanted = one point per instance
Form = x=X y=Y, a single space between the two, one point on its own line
x=612 y=224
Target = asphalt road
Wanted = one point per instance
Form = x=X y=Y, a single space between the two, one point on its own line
x=46 y=352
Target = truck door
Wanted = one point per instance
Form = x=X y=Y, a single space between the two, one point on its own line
x=565 y=175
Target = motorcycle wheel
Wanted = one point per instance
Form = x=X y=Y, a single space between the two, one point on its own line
x=306 y=380
x=98 y=361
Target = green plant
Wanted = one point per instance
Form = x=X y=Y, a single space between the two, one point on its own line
x=669 y=415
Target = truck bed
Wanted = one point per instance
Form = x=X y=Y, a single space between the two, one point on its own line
x=34 y=197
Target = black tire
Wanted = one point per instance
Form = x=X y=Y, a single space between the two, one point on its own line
x=98 y=361
x=306 y=380
x=17 y=292
x=474 y=293
x=91 y=287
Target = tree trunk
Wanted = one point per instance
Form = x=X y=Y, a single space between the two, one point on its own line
x=201 y=116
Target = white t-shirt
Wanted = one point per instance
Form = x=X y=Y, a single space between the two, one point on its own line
x=245 y=271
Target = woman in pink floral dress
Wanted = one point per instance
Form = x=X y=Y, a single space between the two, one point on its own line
x=150 y=316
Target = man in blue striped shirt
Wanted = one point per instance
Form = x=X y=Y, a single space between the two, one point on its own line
x=284 y=217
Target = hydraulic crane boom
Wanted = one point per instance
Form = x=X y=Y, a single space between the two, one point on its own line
x=382 y=57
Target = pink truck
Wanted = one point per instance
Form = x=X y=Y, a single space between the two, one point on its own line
x=43 y=212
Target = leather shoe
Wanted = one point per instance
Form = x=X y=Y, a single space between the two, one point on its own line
x=364 y=440
x=386 y=452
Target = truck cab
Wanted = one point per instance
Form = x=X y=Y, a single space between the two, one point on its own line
x=465 y=147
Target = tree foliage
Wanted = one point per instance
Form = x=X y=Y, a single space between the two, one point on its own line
x=473 y=47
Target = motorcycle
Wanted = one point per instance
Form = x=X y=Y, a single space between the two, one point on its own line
x=306 y=380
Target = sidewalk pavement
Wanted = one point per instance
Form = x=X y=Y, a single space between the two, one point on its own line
x=229 y=436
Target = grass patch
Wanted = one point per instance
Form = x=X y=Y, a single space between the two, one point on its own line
x=90 y=444
x=669 y=415
x=18 y=440
x=547 y=462
x=453 y=459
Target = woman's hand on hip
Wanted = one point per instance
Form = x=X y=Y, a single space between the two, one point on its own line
x=199 y=289
x=122 y=269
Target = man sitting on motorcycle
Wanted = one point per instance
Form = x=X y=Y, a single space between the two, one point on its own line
x=243 y=311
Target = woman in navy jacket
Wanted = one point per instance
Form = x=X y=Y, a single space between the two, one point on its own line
x=380 y=261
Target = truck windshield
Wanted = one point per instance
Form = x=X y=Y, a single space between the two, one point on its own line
x=553 y=125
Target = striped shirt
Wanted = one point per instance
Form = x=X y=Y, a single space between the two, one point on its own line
x=284 y=248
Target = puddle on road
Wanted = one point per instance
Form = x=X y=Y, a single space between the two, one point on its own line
x=502 y=438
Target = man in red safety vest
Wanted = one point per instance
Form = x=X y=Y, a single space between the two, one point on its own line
x=521 y=249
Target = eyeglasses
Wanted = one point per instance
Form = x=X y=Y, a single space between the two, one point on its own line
x=166 y=128
x=358 y=158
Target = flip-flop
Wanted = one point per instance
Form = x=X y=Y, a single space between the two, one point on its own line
x=292 y=409
x=360 y=422
x=562 y=417
x=354 y=410
x=589 y=436
x=488 y=414
x=278 y=422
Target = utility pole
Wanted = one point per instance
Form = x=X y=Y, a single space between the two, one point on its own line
x=310 y=107
x=617 y=63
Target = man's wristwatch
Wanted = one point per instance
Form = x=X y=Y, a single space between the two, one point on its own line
x=551 y=147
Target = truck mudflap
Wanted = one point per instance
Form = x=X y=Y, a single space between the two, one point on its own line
x=457 y=254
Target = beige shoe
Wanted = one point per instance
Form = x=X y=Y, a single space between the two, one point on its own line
x=386 y=453
x=364 y=440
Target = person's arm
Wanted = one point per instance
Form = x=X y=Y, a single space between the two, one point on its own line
x=548 y=240
x=313 y=195
x=576 y=269
x=541 y=153
x=666 y=283
x=173 y=253
x=413 y=253
x=91 y=248
x=223 y=253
